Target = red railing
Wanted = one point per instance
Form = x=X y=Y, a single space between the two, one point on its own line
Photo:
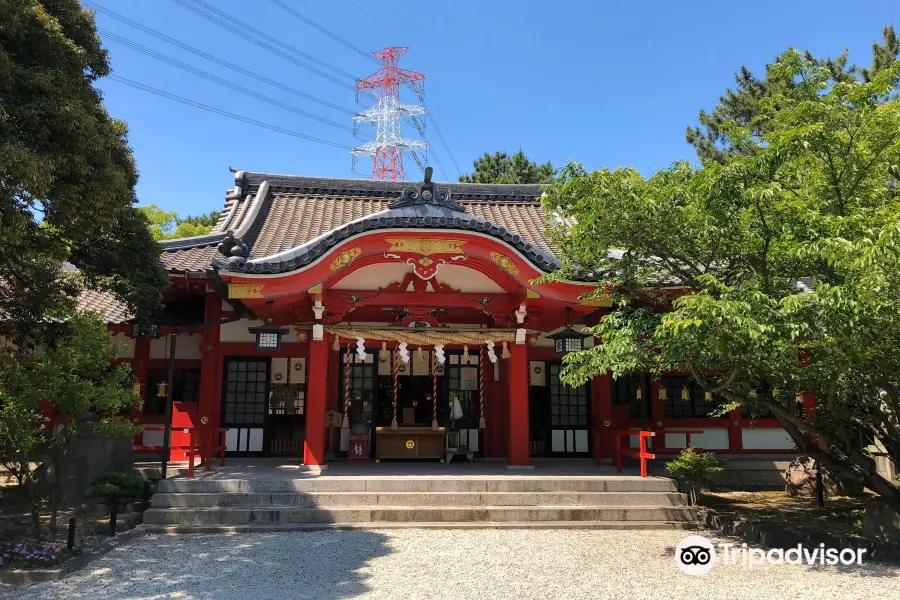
x=687 y=435
x=192 y=449
x=641 y=453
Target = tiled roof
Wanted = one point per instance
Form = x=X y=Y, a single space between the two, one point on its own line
x=112 y=309
x=273 y=214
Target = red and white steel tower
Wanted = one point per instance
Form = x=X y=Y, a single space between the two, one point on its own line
x=389 y=146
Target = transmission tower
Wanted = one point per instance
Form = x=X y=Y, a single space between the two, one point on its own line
x=389 y=145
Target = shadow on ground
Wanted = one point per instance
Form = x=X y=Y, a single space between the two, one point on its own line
x=328 y=564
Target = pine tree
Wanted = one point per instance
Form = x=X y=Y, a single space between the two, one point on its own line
x=741 y=106
x=500 y=167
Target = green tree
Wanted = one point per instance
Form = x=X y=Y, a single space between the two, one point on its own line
x=166 y=225
x=785 y=257
x=208 y=220
x=742 y=105
x=68 y=175
x=70 y=375
x=500 y=167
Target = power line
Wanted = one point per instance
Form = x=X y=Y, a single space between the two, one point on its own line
x=224 y=113
x=244 y=32
x=359 y=50
x=215 y=79
x=262 y=34
x=324 y=30
x=161 y=36
x=368 y=14
x=434 y=155
x=441 y=137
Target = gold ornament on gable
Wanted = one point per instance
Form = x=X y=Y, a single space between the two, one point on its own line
x=426 y=246
x=345 y=258
x=505 y=263
x=239 y=291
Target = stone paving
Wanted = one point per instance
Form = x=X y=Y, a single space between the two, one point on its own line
x=417 y=564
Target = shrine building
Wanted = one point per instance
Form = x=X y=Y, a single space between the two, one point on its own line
x=330 y=319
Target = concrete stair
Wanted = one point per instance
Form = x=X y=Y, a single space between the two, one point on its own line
x=329 y=502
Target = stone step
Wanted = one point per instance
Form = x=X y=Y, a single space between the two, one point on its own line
x=280 y=527
x=415 y=499
x=294 y=514
x=419 y=484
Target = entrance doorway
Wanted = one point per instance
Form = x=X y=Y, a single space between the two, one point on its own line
x=245 y=394
x=372 y=395
x=559 y=418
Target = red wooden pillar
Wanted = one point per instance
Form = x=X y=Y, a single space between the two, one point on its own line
x=316 y=404
x=210 y=378
x=601 y=408
x=735 y=433
x=518 y=406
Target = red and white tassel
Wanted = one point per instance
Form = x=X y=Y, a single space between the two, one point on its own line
x=396 y=372
x=347 y=368
x=481 y=391
x=434 y=395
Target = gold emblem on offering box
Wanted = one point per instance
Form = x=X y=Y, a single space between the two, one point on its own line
x=345 y=258
x=410 y=444
x=245 y=290
x=425 y=246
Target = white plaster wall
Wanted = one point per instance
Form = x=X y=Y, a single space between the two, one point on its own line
x=712 y=438
x=153 y=438
x=374 y=277
x=636 y=440
x=467 y=280
x=766 y=438
x=128 y=343
x=186 y=347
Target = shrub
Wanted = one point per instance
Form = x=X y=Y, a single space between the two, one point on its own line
x=116 y=488
x=695 y=469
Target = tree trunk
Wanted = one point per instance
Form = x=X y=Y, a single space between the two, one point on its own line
x=58 y=459
x=34 y=501
x=860 y=470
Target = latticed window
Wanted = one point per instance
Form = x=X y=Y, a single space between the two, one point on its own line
x=463 y=388
x=246 y=391
x=187 y=389
x=632 y=391
x=757 y=411
x=685 y=398
x=568 y=405
x=287 y=399
x=362 y=386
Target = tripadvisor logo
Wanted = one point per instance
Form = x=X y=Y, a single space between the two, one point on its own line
x=696 y=555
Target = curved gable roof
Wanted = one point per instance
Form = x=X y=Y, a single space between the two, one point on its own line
x=285 y=222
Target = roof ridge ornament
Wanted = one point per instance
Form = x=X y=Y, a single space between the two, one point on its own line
x=426 y=193
x=233 y=248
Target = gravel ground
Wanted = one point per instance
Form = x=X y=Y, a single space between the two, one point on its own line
x=441 y=563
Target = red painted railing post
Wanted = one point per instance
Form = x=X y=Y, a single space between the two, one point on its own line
x=643 y=443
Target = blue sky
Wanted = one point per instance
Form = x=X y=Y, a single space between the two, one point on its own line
x=606 y=83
